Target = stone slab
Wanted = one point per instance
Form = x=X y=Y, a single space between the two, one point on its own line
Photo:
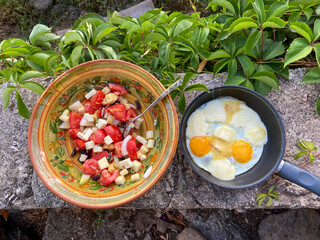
x=180 y=187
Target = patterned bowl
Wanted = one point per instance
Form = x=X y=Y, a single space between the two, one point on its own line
x=50 y=148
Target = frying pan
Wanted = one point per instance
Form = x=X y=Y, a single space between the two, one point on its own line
x=271 y=159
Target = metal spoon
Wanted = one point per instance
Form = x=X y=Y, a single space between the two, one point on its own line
x=130 y=123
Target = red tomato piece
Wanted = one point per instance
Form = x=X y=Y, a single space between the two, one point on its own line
x=130 y=114
x=98 y=112
x=98 y=156
x=139 y=145
x=107 y=178
x=96 y=100
x=72 y=132
x=117 y=149
x=91 y=167
x=118 y=111
x=99 y=136
x=114 y=132
x=117 y=89
x=88 y=108
x=79 y=145
x=74 y=119
x=132 y=149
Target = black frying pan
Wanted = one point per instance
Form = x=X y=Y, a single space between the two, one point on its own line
x=271 y=158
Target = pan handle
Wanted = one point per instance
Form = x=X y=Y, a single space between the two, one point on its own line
x=300 y=176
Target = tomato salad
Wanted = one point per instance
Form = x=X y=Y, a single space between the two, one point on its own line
x=96 y=126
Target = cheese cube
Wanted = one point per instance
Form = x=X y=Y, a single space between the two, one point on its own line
x=64 y=125
x=90 y=145
x=124 y=172
x=95 y=116
x=123 y=100
x=120 y=180
x=111 y=168
x=144 y=149
x=142 y=140
x=81 y=110
x=108 y=140
x=125 y=163
x=97 y=149
x=150 y=143
x=101 y=123
x=103 y=163
x=137 y=123
x=104 y=101
x=136 y=165
x=88 y=117
x=75 y=106
x=127 y=105
x=106 y=90
x=86 y=123
x=88 y=134
x=111 y=98
x=149 y=134
x=141 y=156
x=86 y=130
x=110 y=119
x=94 y=129
x=83 y=157
x=65 y=116
x=133 y=106
x=135 y=177
x=81 y=135
x=90 y=94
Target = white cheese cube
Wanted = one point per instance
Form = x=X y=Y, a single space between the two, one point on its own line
x=150 y=143
x=86 y=130
x=75 y=106
x=81 y=110
x=88 y=134
x=108 y=140
x=106 y=90
x=84 y=122
x=88 y=117
x=94 y=129
x=133 y=106
x=144 y=149
x=101 y=123
x=103 y=163
x=65 y=116
x=83 y=157
x=120 y=180
x=147 y=173
x=97 y=149
x=90 y=145
x=142 y=140
x=104 y=101
x=64 y=125
x=123 y=100
x=141 y=156
x=124 y=172
x=80 y=135
x=149 y=134
x=135 y=177
x=106 y=115
x=90 y=94
x=111 y=98
x=137 y=123
x=127 y=106
x=125 y=163
x=110 y=119
x=136 y=165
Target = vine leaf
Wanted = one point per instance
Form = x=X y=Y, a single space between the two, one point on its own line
x=299 y=48
x=313 y=76
x=318 y=106
x=22 y=108
x=302 y=29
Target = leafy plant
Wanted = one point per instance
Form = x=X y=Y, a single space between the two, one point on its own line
x=267 y=197
x=308 y=150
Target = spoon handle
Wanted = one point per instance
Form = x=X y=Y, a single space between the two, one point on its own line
x=165 y=93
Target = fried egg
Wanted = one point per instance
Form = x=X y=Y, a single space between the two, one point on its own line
x=225 y=137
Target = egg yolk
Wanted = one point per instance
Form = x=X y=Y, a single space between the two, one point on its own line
x=241 y=151
x=199 y=146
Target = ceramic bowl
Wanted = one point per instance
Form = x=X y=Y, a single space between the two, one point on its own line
x=50 y=148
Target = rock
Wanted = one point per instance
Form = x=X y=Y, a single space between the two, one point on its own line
x=291 y=224
x=191 y=233
x=41 y=4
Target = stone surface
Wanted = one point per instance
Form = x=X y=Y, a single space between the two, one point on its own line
x=41 y=4
x=292 y=224
x=191 y=233
x=180 y=187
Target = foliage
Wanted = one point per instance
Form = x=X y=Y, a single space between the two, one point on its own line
x=269 y=196
x=308 y=150
x=252 y=40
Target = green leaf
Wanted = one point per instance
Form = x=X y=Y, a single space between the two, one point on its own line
x=73 y=36
x=317 y=51
x=253 y=40
x=232 y=67
x=277 y=9
x=88 y=16
x=219 y=65
x=109 y=51
x=33 y=86
x=274 y=22
x=302 y=145
x=261 y=201
x=300 y=155
x=164 y=52
x=50 y=63
x=29 y=74
x=271 y=189
x=76 y=54
x=260 y=196
x=302 y=29
x=101 y=31
x=247 y=84
x=5 y=94
x=241 y=23
x=299 y=48
x=269 y=203
x=155 y=37
x=258 y=6
x=45 y=38
x=235 y=80
x=274 y=195
x=174 y=94
x=181 y=103
x=318 y=106
x=22 y=108
x=308 y=13
x=225 y=4
x=311 y=158
x=313 y=76
x=268 y=78
x=37 y=31
x=261 y=87
x=196 y=87
x=294 y=17
x=219 y=54
x=310 y=145
x=247 y=65
x=187 y=78
x=318 y=10
x=273 y=50
x=180 y=27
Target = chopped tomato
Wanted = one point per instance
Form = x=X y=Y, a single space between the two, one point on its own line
x=79 y=144
x=132 y=149
x=74 y=119
x=98 y=112
x=101 y=155
x=107 y=178
x=117 y=149
x=96 y=100
x=117 y=89
x=88 y=108
x=139 y=145
x=99 y=136
x=114 y=132
x=72 y=132
x=91 y=167
x=118 y=111
x=130 y=114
